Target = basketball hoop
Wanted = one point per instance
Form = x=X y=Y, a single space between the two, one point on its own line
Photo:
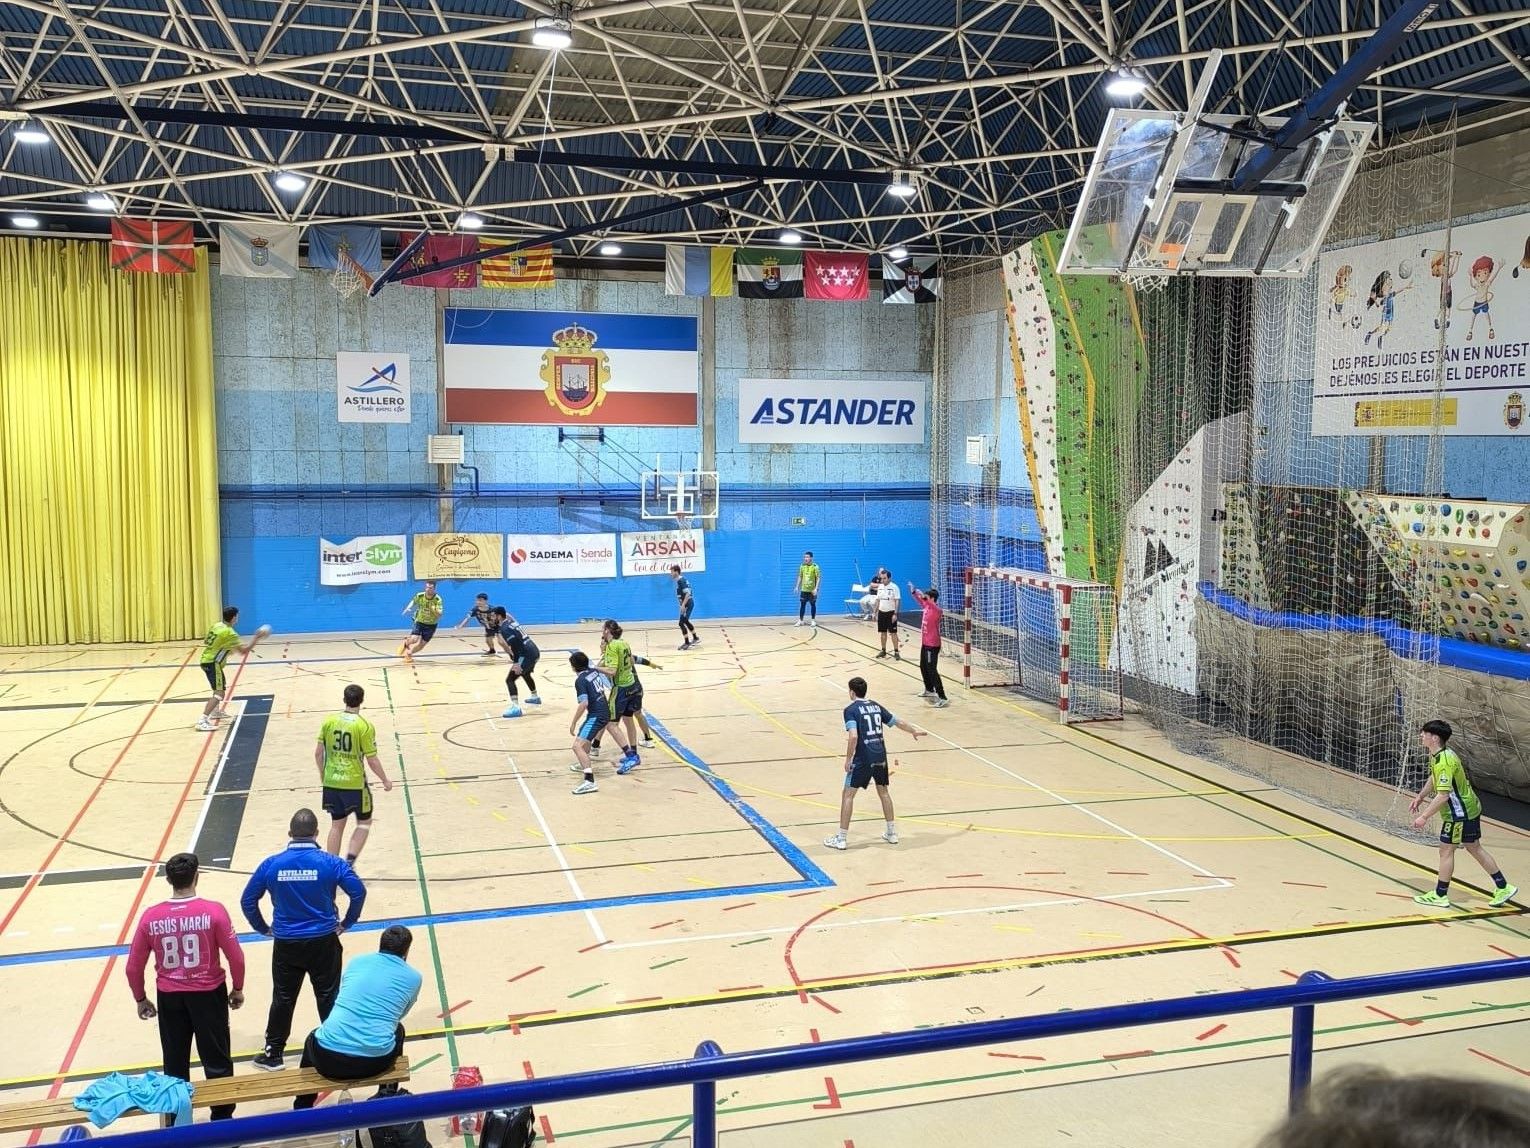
x=1145 y=282
x=682 y=521
x=349 y=276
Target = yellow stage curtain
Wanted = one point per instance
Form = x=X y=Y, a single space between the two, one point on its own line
x=108 y=451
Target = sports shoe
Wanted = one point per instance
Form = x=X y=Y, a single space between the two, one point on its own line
x=798 y=622
x=897 y=655
x=814 y=623
x=836 y=842
x=890 y=836
x=513 y=711
x=942 y=703
x=220 y=715
x=270 y=1060
x=695 y=641
x=925 y=694
x=883 y=654
x=594 y=753
x=685 y=645
x=585 y=787
x=205 y=725
x=629 y=764
x=1434 y=900
x=1504 y=895
x=533 y=700
x=646 y=743
x=576 y=767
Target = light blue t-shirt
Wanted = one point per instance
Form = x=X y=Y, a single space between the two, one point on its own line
x=376 y=990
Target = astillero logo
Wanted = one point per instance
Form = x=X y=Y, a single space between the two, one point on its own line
x=382 y=380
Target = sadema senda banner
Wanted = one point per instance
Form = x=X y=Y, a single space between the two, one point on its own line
x=831 y=411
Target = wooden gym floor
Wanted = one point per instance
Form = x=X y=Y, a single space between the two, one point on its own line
x=1041 y=868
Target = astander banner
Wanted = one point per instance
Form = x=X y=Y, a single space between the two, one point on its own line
x=372 y=387
x=564 y=369
x=560 y=556
x=655 y=551
x=379 y=558
x=830 y=411
x=459 y=556
x=1381 y=349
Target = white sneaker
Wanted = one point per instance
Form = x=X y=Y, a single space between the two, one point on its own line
x=796 y=623
x=585 y=787
x=576 y=767
x=942 y=703
x=594 y=753
x=220 y=715
x=814 y=623
x=890 y=836
x=646 y=743
x=925 y=694
x=205 y=725
x=836 y=842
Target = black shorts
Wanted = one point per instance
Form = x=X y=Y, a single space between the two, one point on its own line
x=527 y=664
x=628 y=700
x=685 y=609
x=860 y=776
x=214 y=672
x=341 y=803
x=1467 y=831
x=887 y=621
x=424 y=631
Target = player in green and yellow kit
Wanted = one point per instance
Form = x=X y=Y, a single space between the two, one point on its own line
x=346 y=742
x=808 y=578
x=1455 y=798
x=221 y=641
x=427 y=608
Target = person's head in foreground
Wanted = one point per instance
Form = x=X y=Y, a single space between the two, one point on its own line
x=1368 y=1108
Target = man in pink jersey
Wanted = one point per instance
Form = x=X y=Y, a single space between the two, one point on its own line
x=186 y=934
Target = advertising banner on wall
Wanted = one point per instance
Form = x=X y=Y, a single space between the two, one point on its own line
x=560 y=556
x=459 y=556
x=379 y=558
x=1398 y=317
x=557 y=368
x=830 y=411
x=655 y=551
x=372 y=387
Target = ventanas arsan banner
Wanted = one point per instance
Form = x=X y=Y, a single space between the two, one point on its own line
x=459 y=556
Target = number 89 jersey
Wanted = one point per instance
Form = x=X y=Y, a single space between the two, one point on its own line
x=348 y=740
x=868 y=719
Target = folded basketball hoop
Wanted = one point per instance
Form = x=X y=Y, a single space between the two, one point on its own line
x=349 y=276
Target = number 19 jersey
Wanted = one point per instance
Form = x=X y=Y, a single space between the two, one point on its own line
x=348 y=740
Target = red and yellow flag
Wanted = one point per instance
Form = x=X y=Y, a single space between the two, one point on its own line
x=529 y=267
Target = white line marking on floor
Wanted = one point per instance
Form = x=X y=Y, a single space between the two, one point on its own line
x=212 y=785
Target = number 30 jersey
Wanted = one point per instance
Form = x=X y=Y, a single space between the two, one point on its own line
x=348 y=740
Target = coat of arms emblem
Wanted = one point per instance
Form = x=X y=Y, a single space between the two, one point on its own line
x=260 y=250
x=1514 y=410
x=770 y=270
x=575 y=373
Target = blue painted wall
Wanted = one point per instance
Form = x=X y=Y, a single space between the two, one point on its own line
x=291 y=473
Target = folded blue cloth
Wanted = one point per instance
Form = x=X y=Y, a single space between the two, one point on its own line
x=114 y=1094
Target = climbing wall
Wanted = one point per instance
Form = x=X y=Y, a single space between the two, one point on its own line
x=1032 y=347
x=1470 y=557
x=1241 y=573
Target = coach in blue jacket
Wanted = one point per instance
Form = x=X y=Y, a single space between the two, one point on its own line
x=305 y=926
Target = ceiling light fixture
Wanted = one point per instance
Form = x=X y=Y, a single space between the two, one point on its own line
x=902 y=185
x=898 y=253
x=609 y=248
x=100 y=201
x=29 y=222
x=31 y=132
x=552 y=32
x=1125 y=83
x=290 y=181
x=467 y=221
x=790 y=236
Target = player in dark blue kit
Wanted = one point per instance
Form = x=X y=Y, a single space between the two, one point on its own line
x=866 y=722
x=480 y=614
x=591 y=716
x=683 y=594
x=523 y=658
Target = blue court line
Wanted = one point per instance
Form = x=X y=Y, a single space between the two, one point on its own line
x=270 y=661
x=812 y=878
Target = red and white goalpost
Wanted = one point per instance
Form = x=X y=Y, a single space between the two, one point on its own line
x=1053 y=639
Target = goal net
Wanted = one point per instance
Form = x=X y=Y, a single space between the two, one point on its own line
x=1051 y=639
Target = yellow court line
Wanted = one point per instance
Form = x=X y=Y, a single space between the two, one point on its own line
x=90 y=705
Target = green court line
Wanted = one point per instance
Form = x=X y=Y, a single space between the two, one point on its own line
x=1033 y=1070
x=591 y=989
x=666 y=964
x=419 y=1064
x=756 y=941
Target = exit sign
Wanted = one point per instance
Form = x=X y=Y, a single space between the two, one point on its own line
x=798 y=520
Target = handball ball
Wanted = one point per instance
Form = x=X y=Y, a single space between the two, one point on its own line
x=263 y=632
x=1405 y=270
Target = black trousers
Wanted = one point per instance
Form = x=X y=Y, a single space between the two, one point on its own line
x=522 y=675
x=203 y=1016
x=319 y=960
x=340 y=1066
x=928 y=656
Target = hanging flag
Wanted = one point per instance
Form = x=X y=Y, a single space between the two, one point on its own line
x=769 y=273
x=838 y=275
x=327 y=241
x=698 y=270
x=258 y=250
x=913 y=280
x=438 y=249
x=528 y=267
x=158 y=246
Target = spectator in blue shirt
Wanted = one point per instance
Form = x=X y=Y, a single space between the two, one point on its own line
x=364 y=1034
x=305 y=926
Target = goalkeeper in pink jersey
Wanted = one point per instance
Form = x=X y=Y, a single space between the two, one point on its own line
x=186 y=934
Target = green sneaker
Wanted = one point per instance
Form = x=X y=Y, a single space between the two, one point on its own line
x=1434 y=900
x=1504 y=895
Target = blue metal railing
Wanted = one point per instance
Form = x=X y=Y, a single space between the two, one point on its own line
x=711 y=1065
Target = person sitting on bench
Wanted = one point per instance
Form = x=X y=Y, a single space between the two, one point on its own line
x=363 y=1034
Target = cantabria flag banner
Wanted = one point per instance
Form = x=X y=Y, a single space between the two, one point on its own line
x=564 y=369
x=769 y=273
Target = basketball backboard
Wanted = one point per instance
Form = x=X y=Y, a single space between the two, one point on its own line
x=680 y=494
x=1158 y=198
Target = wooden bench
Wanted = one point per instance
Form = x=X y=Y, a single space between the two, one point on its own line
x=60 y=1111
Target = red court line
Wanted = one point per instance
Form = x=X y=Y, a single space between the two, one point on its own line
x=1500 y=1063
x=63 y=838
x=1126 y=873
x=588 y=949
x=1015 y=1056
x=454 y=1008
x=742 y=905
x=128 y=922
x=640 y=1000
x=826 y=1004
x=813 y=1036
x=1304 y=884
x=547 y=1134
x=1505 y=952
x=1231 y=957
x=527 y=973
x=665 y=924
x=895 y=881
x=959 y=876
x=1211 y=1032
x=1389 y=1016
x=1127 y=1055
x=526 y=1068
x=833 y=1101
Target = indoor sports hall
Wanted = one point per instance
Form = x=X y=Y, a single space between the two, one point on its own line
x=822 y=574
